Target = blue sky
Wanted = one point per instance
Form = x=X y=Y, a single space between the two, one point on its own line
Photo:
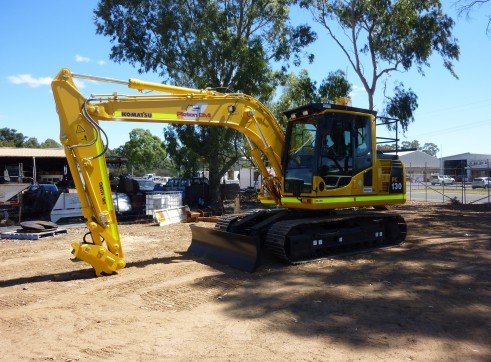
x=38 y=38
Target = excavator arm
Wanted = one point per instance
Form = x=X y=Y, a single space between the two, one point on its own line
x=85 y=144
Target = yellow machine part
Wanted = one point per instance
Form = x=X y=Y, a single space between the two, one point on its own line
x=102 y=260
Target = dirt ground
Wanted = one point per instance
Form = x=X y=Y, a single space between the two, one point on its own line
x=428 y=299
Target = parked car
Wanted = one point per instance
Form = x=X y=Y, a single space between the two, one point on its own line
x=180 y=183
x=145 y=185
x=155 y=178
x=194 y=190
x=481 y=182
x=442 y=180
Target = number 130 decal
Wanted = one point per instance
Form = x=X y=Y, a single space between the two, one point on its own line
x=396 y=185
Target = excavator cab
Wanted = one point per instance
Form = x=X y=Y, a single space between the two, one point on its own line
x=330 y=153
x=331 y=145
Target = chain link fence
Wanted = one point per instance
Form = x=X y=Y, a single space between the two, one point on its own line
x=460 y=192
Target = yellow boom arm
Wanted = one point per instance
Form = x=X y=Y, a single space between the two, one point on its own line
x=81 y=137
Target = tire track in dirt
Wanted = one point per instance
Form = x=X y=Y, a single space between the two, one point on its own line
x=188 y=296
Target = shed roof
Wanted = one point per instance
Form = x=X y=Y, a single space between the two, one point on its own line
x=32 y=152
x=418 y=159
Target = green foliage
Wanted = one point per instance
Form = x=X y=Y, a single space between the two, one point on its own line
x=296 y=91
x=203 y=43
x=50 y=143
x=32 y=142
x=224 y=44
x=412 y=144
x=386 y=147
x=181 y=145
x=11 y=138
x=428 y=148
x=300 y=90
x=193 y=149
x=384 y=36
x=335 y=86
x=144 y=151
x=431 y=149
x=402 y=106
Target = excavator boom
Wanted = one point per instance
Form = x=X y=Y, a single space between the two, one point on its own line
x=82 y=138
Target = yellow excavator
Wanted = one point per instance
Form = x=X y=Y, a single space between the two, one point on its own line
x=326 y=185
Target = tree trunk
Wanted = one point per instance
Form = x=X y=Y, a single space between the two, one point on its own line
x=215 y=199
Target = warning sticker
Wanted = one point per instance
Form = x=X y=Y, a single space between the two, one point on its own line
x=81 y=134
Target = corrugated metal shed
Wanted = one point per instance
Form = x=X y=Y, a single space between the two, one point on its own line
x=40 y=164
x=468 y=156
x=32 y=152
x=419 y=159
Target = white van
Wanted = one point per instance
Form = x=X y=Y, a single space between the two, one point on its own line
x=148 y=176
x=442 y=180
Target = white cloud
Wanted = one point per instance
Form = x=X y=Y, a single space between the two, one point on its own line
x=29 y=80
x=81 y=59
x=356 y=90
x=101 y=62
x=79 y=83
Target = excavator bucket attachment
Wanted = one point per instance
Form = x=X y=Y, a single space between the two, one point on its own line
x=238 y=251
x=102 y=260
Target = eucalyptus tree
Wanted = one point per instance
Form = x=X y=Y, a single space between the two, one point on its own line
x=428 y=148
x=50 y=143
x=380 y=37
x=229 y=44
x=145 y=152
x=11 y=138
x=466 y=7
x=334 y=86
x=297 y=90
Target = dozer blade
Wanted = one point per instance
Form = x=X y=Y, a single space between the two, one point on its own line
x=238 y=251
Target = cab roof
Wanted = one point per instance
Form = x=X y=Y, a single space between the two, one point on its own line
x=315 y=108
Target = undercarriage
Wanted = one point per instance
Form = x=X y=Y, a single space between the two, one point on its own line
x=295 y=236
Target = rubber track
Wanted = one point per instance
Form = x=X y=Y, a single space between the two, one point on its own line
x=224 y=221
x=278 y=233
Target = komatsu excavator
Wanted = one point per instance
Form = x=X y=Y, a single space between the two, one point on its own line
x=327 y=193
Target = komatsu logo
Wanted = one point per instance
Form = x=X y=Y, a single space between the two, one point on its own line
x=195 y=111
x=136 y=114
